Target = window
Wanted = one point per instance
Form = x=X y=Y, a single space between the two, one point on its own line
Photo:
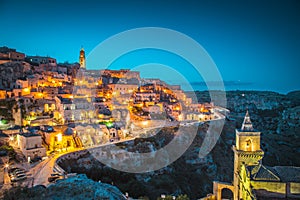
x=249 y=145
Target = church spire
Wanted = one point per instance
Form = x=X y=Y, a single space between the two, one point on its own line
x=247 y=125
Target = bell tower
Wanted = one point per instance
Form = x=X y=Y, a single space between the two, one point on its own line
x=247 y=152
x=82 y=58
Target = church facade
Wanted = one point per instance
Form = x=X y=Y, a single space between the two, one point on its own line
x=253 y=180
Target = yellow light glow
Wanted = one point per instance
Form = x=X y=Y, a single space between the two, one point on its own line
x=145 y=123
x=59 y=137
x=26 y=90
x=100 y=115
x=180 y=117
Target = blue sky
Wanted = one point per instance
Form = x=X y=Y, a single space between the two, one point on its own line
x=255 y=44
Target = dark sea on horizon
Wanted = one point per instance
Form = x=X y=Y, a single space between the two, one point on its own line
x=241 y=86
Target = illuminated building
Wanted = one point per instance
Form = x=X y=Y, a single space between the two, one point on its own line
x=253 y=180
x=122 y=73
x=95 y=134
x=60 y=138
x=75 y=109
x=31 y=145
x=121 y=89
x=3 y=94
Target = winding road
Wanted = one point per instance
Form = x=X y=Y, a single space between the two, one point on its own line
x=43 y=170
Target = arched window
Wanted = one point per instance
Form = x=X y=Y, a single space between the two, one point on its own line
x=249 y=145
x=226 y=194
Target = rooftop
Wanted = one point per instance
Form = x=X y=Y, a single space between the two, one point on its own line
x=29 y=134
x=262 y=173
x=247 y=124
x=278 y=173
x=288 y=173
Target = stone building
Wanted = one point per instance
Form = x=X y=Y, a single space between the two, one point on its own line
x=60 y=138
x=253 y=180
x=74 y=109
x=31 y=145
x=11 y=54
x=42 y=60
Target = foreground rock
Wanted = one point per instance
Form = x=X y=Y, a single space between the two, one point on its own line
x=78 y=187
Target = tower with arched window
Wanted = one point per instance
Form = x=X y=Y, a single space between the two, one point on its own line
x=247 y=152
x=82 y=58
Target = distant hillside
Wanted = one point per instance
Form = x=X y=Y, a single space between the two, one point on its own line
x=294 y=96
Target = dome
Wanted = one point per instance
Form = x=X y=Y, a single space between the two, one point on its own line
x=69 y=131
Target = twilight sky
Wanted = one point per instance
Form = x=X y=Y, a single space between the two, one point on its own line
x=255 y=45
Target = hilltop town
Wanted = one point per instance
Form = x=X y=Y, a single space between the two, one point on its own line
x=49 y=98
x=49 y=109
x=57 y=119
